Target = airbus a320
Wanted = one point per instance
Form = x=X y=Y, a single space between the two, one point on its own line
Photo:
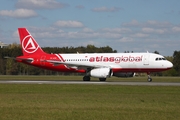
x=99 y=65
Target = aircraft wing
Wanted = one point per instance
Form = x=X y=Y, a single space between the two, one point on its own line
x=57 y=62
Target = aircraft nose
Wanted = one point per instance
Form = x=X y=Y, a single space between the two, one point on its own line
x=169 y=65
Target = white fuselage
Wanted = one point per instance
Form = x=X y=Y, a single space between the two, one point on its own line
x=123 y=61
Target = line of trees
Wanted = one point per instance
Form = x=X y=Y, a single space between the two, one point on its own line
x=10 y=67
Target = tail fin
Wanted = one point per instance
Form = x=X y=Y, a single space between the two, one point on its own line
x=28 y=43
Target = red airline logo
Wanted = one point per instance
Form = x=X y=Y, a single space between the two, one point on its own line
x=29 y=45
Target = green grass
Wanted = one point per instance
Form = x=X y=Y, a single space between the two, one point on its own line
x=88 y=102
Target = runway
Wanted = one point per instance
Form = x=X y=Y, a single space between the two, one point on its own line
x=92 y=82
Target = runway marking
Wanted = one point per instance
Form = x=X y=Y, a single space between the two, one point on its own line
x=93 y=82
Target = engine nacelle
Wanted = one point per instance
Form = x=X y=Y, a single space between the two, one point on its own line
x=101 y=72
x=124 y=74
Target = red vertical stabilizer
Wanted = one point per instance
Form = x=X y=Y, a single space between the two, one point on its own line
x=28 y=43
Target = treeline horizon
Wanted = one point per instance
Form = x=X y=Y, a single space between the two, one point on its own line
x=11 y=67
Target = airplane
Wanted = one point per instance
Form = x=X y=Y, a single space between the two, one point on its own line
x=99 y=65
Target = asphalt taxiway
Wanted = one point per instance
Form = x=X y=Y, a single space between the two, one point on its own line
x=91 y=82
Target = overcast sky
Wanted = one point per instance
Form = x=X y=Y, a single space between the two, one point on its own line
x=124 y=25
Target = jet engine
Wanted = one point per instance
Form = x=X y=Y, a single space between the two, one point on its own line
x=124 y=74
x=101 y=72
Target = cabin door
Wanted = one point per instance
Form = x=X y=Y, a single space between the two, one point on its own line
x=146 y=60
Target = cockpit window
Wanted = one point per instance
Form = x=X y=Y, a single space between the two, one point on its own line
x=158 y=59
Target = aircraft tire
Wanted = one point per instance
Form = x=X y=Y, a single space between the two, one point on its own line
x=149 y=79
x=86 y=78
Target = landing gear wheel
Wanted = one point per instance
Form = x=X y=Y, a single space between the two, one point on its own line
x=102 y=79
x=149 y=79
x=86 y=78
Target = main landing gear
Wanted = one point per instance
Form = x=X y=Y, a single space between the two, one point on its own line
x=149 y=78
x=86 y=78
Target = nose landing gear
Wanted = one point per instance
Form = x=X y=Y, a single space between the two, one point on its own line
x=149 y=77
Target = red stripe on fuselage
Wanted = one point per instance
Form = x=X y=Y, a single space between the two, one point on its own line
x=60 y=57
